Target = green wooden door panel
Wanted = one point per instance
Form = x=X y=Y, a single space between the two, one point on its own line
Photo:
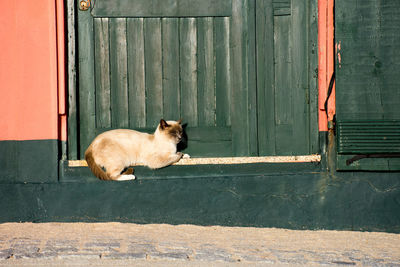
x=234 y=66
x=368 y=70
x=283 y=83
x=142 y=67
x=367 y=82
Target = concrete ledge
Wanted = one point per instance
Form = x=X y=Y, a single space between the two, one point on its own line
x=229 y=160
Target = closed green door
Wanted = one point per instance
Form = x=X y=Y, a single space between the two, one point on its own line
x=140 y=61
x=368 y=85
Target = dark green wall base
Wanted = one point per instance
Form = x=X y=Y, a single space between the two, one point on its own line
x=285 y=195
x=29 y=161
x=303 y=200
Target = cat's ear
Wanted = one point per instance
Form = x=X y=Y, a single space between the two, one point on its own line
x=179 y=121
x=163 y=124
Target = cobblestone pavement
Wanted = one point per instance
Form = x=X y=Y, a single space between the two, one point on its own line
x=118 y=244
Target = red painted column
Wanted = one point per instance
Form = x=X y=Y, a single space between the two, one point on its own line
x=61 y=44
x=325 y=60
x=31 y=69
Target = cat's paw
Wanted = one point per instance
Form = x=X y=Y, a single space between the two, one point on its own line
x=186 y=156
x=126 y=177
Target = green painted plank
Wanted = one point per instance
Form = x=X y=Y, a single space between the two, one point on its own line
x=252 y=79
x=136 y=73
x=222 y=69
x=284 y=90
x=170 y=54
x=300 y=77
x=162 y=8
x=72 y=144
x=312 y=97
x=265 y=78
x=102 y=73
x=87 y=110
x=153 y=71
x=205 y=73
x=238 y=63
x=284 y=102
x=188 y=70
x=118 y=73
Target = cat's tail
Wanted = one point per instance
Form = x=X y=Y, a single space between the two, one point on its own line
x=97 y=171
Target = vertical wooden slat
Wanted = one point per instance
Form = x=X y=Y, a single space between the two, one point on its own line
x=87 y=119
x=72 y=124
x=102 y=73
x=153 y=70
x=252 y=79
x=265 y=77
x=136 y=74
x=238 y=63
x=283 y=90
x=312 y=16
x=170 y=54
x=205 y=74
x=300 y=77
x=284 y=102
x=223 y=82
x=188 y=70
x=119 y=74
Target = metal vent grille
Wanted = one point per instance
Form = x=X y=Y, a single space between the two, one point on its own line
x=368 y=137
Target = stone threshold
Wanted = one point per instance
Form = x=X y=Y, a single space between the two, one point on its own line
x=229 y=160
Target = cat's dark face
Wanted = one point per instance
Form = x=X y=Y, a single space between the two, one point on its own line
x=173 y=129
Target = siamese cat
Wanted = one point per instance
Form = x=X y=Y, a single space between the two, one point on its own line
x=116 y=150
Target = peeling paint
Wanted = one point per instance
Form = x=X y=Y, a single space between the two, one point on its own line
x=338 y=48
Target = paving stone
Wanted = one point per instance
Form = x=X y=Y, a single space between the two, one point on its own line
x=61 y=246
x=211 y=253
x=99 y=248
x=187 y=244
x=170 y=255
x=6 y=253
x=125 y=256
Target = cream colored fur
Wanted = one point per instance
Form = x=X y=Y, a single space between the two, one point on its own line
x=117 y=149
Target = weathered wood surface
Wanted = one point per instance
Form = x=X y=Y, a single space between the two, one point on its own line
x=368 y=82
x=162 y=8
x=247 y=71
x=368 y=41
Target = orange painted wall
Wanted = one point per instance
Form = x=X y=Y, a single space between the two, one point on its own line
x=29 y=70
